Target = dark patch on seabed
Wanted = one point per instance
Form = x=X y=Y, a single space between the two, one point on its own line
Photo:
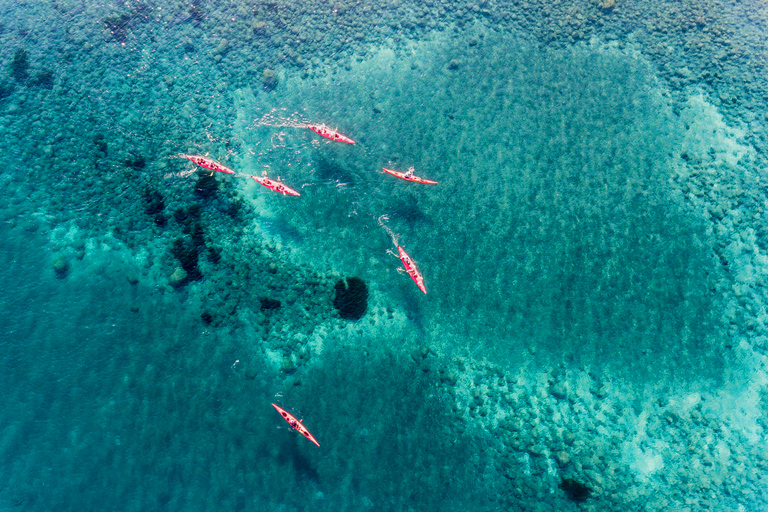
x=331 y=170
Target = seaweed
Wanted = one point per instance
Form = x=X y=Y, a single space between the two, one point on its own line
x=206 y=187
x=331 y=171
x=407 y=209
x=20 y=65
x=101 y=143
x=43 y=79
x=154 y=203
x=61 y=267
x=214 y=255
x=198 y=236
x=136 y=161
x=187 y=217
x=188 y=256
x=351 y=298
x=6 y=88
x=196 y=13
x=269 y=80
x=118 y=26
x=575 y=491
x=268 y=304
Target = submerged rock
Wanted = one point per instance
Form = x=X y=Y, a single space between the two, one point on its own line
x=61 y=267
x=454 y=64
x=178 y=278
x=269 y=80
x=607 y=5
x=287 y=366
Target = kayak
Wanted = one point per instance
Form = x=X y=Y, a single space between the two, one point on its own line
x=403 y=176
x=208 y=163
x=329 y=133
x=296 y=424
x=410 y=267
x=277 y=186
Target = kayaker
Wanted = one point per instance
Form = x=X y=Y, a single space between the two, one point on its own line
x=409 y=173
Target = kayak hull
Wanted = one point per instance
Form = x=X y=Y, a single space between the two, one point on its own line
x=329 y=133
x=414 y=179
x=410 y=267
x=276 y=186
x=296 y=424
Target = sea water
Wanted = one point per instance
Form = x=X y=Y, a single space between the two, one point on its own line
x=593 y=331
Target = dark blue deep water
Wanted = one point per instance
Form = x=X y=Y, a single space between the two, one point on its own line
x=595 y=327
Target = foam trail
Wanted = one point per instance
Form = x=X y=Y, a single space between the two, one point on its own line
x=391 y=233
x=274 y=119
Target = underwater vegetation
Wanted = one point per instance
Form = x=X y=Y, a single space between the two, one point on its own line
x=269 y=80
x=20 y=65
x=576 y=491
x=206 y=186
x=186 y=252
x=268 y=304
x=43 y=79
x=153 y=201
x=351 y=298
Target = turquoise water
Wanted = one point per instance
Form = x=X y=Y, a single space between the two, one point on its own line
x=593 y=336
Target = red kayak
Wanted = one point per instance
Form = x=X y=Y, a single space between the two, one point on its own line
x=410 y=267
x=296 y=424
x=409 y=176
x=329 y=133
x=208 y=163
x=277 y=186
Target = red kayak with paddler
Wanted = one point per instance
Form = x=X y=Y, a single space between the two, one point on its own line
x=207 y=163
x=296 y=424
x=408 y=175
x=277 y=186
x=329 y=133
x=410 y=267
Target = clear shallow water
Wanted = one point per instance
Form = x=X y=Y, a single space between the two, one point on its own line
x=593 y=266
x=553 y=221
